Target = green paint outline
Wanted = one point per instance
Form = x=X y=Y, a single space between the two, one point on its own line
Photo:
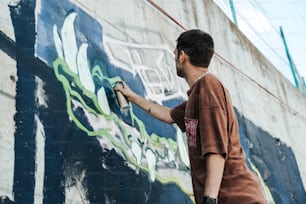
x=154 y=140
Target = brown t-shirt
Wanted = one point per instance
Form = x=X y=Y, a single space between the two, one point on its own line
x=209 y=120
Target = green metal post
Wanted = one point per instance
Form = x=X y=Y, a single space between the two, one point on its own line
x=304 y=85
x=233 y=11
x=289 y=57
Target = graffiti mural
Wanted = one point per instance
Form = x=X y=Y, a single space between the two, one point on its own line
x=89 y=94
x=88 y=63
x=73 y=143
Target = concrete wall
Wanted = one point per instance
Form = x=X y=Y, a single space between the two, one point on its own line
x=63 y=137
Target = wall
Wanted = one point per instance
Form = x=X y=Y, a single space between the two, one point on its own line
x=63 y=136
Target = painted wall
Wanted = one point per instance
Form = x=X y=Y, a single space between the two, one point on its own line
x=63 y=137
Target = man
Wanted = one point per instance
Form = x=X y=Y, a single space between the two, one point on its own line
x=218 y=168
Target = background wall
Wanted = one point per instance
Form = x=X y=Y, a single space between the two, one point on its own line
x=63 y=137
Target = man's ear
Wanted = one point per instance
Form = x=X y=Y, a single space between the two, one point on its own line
x=182 y=56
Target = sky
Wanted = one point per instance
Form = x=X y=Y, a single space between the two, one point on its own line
x=291 y=15
x=261 y=20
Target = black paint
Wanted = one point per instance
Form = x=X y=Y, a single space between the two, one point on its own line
x=24 y=180
x=275 y=161
x=7 y=45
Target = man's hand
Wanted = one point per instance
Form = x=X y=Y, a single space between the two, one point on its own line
x=126 y=91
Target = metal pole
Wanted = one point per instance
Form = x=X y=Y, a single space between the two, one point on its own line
x=233 y=12
x=304 y=85
x=289 y=58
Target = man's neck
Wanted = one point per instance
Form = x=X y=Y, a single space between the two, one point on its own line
x=194 y=74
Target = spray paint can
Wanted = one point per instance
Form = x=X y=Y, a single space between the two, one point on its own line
x=124 y=104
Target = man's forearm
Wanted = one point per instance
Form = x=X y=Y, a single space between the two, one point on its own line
x=158 y=111
x=214 y=173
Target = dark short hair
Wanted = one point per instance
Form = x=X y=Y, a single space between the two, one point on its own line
x=198 y=45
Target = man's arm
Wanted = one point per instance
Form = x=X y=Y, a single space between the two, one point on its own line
x=214 y=172
x=158 y=111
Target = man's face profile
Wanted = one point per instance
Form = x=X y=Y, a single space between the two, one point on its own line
x=179 y=69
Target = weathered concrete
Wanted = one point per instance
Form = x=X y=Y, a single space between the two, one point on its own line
x=8 y=79
x=5 y=20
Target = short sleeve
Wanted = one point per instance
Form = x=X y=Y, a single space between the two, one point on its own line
x=213 y=120
x=178 y=114
x=213 y=131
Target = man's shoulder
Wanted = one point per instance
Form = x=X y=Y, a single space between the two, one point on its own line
x=211 y=80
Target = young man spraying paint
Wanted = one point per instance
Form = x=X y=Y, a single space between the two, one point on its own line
x=218 y=167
